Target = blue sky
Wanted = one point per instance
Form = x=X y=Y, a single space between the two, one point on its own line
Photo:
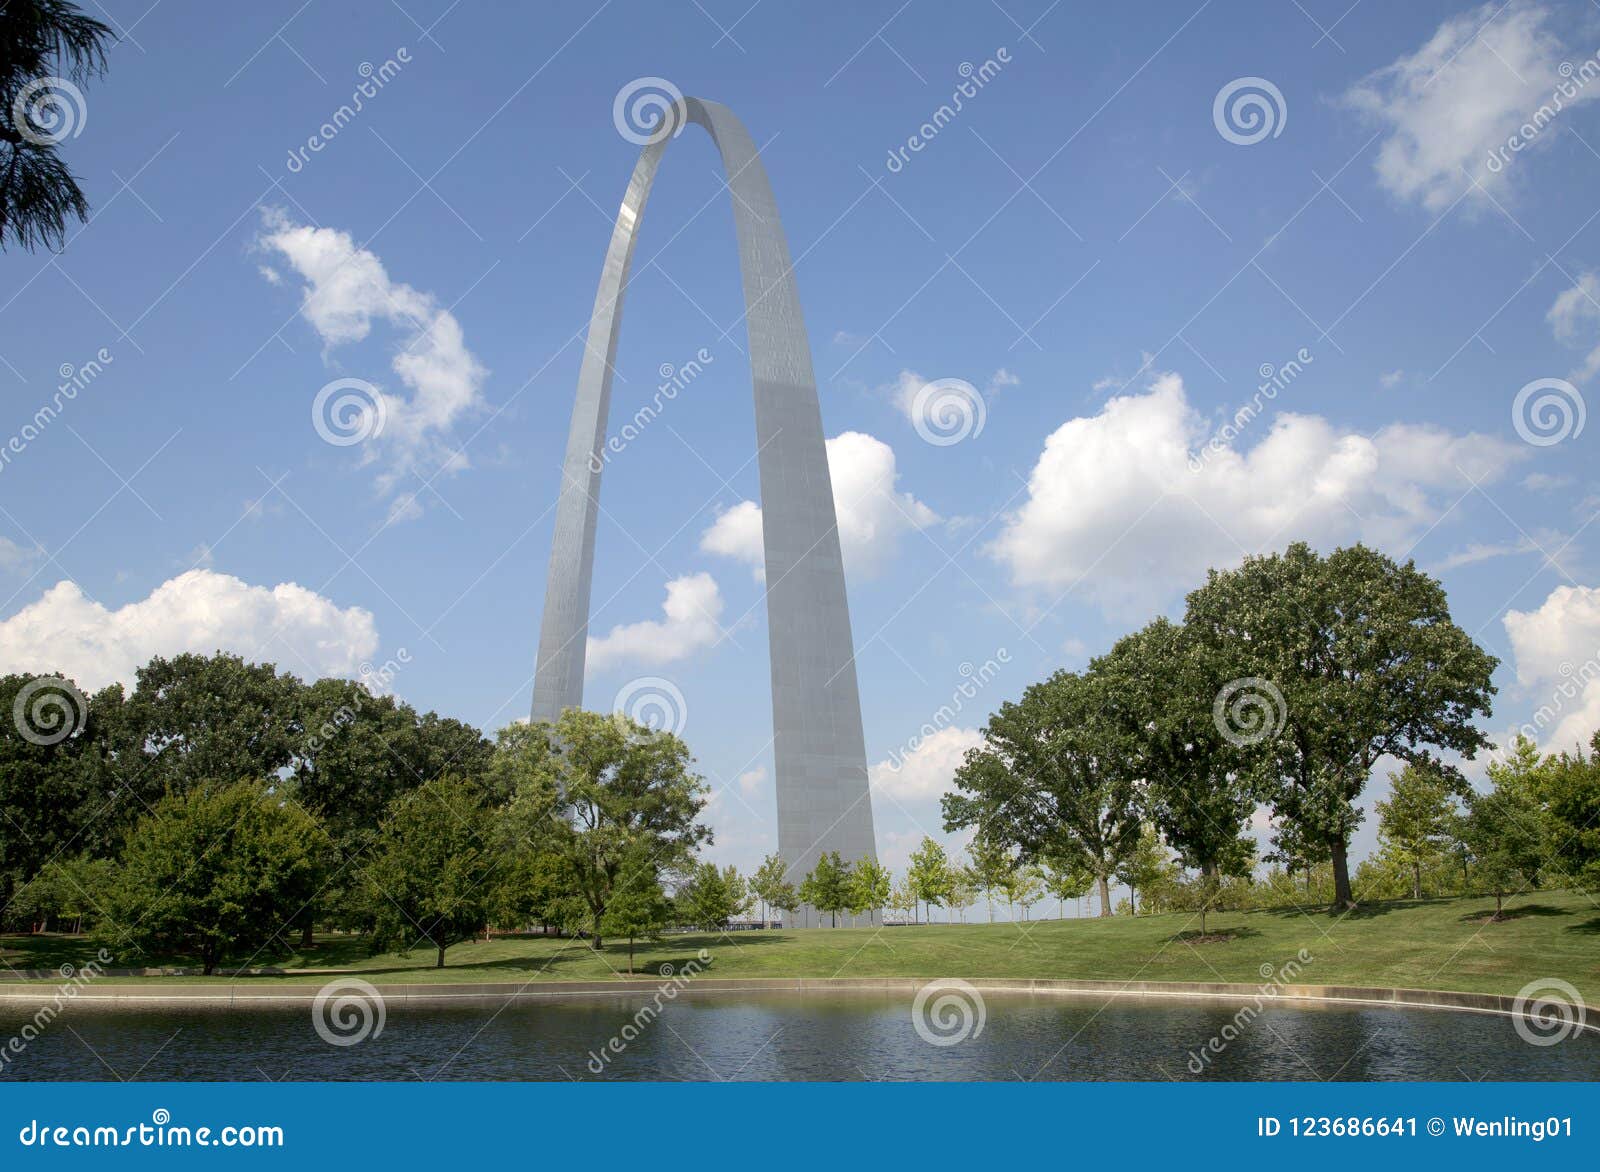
x=1099 y=251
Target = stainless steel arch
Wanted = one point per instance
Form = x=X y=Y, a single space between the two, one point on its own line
x=818 y=748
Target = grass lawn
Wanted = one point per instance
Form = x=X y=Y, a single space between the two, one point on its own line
x=1441 y=944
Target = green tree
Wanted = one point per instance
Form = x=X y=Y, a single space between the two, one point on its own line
x=199 y=718
x=991 y=863
x=1570 y=790
x=57 y=796
x=1159 y=686
x=770 y=884
x=1334 y=663
x=434 y=870
x=42 y=41
x=591 y=787
x=638 y=908
x=929 y=876
x=870 y=884
x=827 y=887
x=964 y=888
x=218 y=871
x=902 y=900
x=1146 y=866
x=1023 y=887
x=1504 y=833
x=711 y=897
x=1414 y=823
x=1065 y=881
x=1053 y=779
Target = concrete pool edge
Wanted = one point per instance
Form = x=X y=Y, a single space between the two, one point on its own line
x=243 y=995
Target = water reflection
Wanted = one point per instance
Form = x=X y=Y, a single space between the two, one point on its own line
x=759 y=1036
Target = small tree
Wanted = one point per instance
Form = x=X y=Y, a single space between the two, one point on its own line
x=433 y=874
x=1145 y=866
x=902 y=900
x=638 y=907
x=870 y=883
x=1023 y=887
x=827 y=888
x=770 y=885
x=218 y=871
x=1065 y=881
x=929 y=876
x=711 y=897
x=964 y=888
x=1503 y=831
x=991 y=863
x=1414 y=824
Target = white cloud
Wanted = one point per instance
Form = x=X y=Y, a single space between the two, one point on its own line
x=692 y=608
x=926 y=772
x=1557 y=652
x=872 y=514
x=903 y=391
x=1575 y=317
x=199 y=611
x=1543 y=482
x=15 y=558
x=1482 y=77
x=347 y=289
x=1117 y=501
x=750 y=780
x=1391 y=379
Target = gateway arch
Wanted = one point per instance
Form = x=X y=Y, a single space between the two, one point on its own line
x=818 y=747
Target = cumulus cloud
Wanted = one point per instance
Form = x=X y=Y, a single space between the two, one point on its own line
x=1136 y=504
x=751 y=779
x=199 y=611
x=690 y=613
x=1483 y=77
x=1557 y=652
x=903 y=391
x=346 y=289
x=927 y=771
x=871 y=512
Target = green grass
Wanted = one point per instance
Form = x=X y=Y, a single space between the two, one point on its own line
x=1441 y=944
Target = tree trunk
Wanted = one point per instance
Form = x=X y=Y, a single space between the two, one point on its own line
x=1499 y=904
x=1342 y=899
x=630 y=956
x=439 y=961
x=305 y=934
x=1416 y=879
x=990 y=899
x=1105 y=896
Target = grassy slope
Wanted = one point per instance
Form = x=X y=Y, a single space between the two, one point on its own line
x=1441 y=944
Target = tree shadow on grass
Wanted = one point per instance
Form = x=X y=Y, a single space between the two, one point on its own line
x=1590 y=927
x=1214 y=936
x=1487 y=915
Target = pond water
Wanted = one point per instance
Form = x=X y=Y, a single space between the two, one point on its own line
x=769 y=1036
